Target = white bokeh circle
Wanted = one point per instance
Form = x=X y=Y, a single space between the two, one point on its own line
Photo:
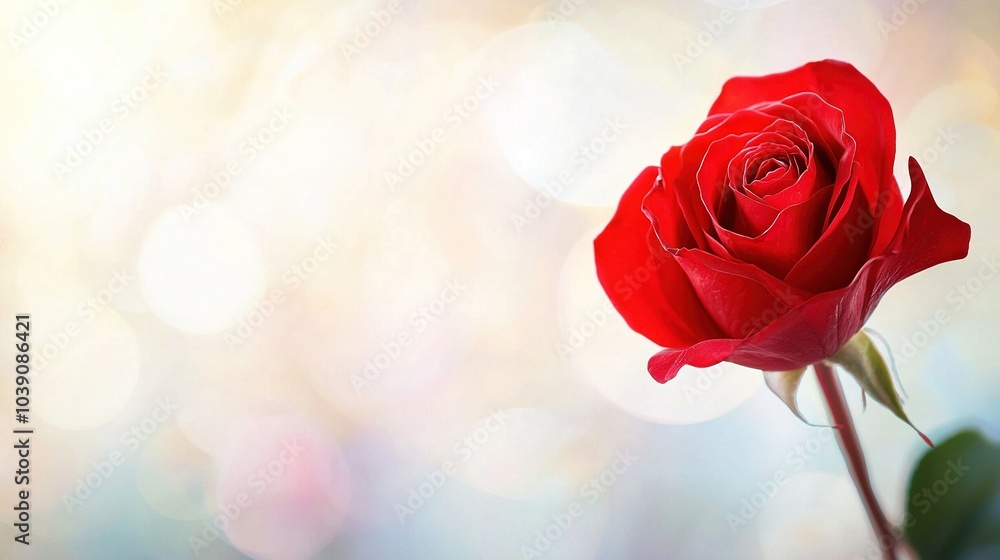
x=199 y=271
x=87 y=379
x=571 y=117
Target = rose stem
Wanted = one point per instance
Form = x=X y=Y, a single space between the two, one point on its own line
x=850 y=446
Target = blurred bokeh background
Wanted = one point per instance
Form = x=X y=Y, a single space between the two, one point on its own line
x=314 y=279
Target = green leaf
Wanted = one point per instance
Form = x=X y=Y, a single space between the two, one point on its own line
x=785 y=384
x=861 y=358
x=953 y=502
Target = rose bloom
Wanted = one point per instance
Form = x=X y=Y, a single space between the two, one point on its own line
x=768 y=239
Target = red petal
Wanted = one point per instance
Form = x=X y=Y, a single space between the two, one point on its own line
x=696 y=213
x=782 y=137
x=639 y=283
x=834 y=151
x=867 y=114
x=841 y=251
x=753 y=217
x=665 y=364
x=661 y=208
x=888 y=211
x=790 y=236
x=823 y=123
x=813 y=178
x=739 y=297
x=711 y=178
x=928 y=236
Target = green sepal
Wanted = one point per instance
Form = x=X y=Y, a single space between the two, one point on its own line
x=861 y=358
x=785 y=384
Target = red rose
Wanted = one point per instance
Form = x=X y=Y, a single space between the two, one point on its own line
x=769 y=238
